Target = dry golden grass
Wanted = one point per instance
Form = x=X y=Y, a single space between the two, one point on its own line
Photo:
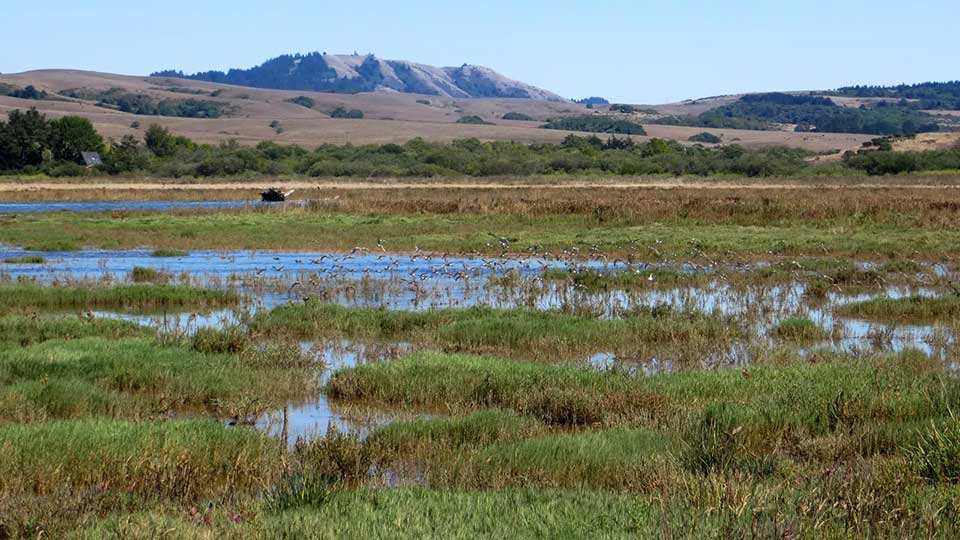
x=388 y=117
x=334 y=191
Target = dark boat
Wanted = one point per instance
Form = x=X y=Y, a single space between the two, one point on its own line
x=274 y=195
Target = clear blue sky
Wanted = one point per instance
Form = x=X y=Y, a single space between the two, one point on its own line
x=627 y=51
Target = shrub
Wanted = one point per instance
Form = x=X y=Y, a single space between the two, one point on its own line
x=303 y=101
x=705 y=137
x=595 y=124
x=473 y=119
x=341 y=112
x=517 y=116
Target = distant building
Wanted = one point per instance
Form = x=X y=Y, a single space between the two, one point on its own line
x=91 y=159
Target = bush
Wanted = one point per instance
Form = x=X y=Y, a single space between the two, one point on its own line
x=705 y=137
x=595 y=124
x=517 y=116
x=341 y=112
x=302 y=101
x=473 y=119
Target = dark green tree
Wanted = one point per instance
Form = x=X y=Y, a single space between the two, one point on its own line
x=23 y=139
x=71 y=135
x=126 y=156
x=160 y=141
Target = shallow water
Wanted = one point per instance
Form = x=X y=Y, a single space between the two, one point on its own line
x=313 y=417
x=423 y=281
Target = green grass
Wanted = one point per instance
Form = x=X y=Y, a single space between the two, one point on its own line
x=918 y=309
x=799 y=329
x=554 y=394
x=632 y=460
x=481 y=428
x=936 y=455
x=591 y=280
x=465 y=233
x=54 y=472
x=412 y=513
x=169 y=252
x=134 y=377
x=141 y=274
x=26 y=259
x=53 y=244
x=520 y=332
x=127 y=298
x=805 y=398
x=20 y=331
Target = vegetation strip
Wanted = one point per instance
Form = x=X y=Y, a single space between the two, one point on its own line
x=123 y=297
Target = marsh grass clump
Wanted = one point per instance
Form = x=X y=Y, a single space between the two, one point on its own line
x=142 y=274
x=230 y=339
x=799 y=329
x=94 y=466
x=921 y=309
x=22 y=331
x=902 y=266
x=936 y=455
x=520 y=332
x=592 y=280
x=620 y=459
x=554 y=394
x=169 y=252
x=127 y=297
x=336 y=459
x=26 y=259
x=717 y=442
x=478 y=429
x=141 y=375
x=53 y=245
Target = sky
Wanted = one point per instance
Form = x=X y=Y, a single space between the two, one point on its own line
x=625 y=51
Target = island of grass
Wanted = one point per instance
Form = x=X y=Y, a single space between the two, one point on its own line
x=515 y=332
x=918 y=309
x=799 y=329
x=170 y=252
x=123 y=297
x=26 y=259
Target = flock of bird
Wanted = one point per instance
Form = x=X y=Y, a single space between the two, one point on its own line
x=415 y=269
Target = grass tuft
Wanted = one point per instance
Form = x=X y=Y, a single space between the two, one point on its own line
x=26 y=259
x=129 y=297
x=920 y=309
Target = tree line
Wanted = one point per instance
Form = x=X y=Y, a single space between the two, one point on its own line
x=32 y=144
x=809 y=113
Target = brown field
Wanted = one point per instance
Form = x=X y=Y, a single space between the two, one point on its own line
x=393 y=118
x=338 y=191
x=928 y=141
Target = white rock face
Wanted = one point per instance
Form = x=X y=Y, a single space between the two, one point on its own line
x=455 y=82
x=356 y=73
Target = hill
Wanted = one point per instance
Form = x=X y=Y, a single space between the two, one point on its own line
x=354 y=73
x=122 y=105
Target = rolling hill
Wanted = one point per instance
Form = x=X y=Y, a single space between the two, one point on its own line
x=250 y=115
x=354 y=73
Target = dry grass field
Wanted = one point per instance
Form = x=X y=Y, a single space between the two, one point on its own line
x=388 y=118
